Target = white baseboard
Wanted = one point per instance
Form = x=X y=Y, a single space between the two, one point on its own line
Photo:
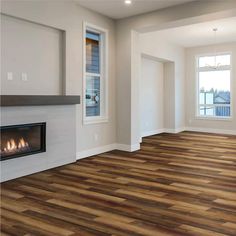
x=107 y=148
x=174 y=131
x=179 y=130
x=95 y=151
x=160 y=131
x=135 y=147
x=210 y=130
x=204 y=130
x=128 y=148
x=194 y=129
x=153 y=132
x=170 y=131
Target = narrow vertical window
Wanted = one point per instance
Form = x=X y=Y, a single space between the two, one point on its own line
x=95 y=94
x=214 y=86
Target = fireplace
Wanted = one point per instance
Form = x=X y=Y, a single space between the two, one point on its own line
x=22 y=140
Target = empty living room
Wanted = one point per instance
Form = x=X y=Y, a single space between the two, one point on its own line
x=118 y=118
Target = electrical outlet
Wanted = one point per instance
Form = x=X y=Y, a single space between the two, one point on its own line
x=24 y=77
x=9 y=76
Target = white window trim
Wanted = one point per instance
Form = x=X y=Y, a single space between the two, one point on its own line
x=197 y=70
x=103 y=118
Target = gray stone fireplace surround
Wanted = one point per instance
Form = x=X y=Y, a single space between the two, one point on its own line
x=60 y=137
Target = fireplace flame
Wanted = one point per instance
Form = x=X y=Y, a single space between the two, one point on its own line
x=13 y=146
x=22 y=143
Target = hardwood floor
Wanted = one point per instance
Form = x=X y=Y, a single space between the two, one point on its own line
x=177 y=184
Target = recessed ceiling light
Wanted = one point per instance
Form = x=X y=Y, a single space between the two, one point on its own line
x=128 y=2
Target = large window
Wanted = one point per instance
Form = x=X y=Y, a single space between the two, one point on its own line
x=95 y=76
x=214 y=86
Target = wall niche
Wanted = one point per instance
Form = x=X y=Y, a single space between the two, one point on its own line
x=32 y=58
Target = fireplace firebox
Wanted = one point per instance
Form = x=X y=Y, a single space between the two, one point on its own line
x=22 y=140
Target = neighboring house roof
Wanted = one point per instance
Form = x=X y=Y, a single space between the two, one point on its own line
x=222 y=97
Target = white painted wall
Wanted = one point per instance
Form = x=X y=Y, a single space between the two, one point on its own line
x=192 y=121
x=180 y=92
x=169 y=94
x=127 y=58
x=151 y=97
x=155 y=45
x=33 y=49
x=123 y=66
x=69 y=17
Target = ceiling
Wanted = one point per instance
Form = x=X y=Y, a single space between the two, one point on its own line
x=116 y=9
x=200 y=34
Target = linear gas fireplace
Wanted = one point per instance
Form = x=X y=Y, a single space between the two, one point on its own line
x=22 y=140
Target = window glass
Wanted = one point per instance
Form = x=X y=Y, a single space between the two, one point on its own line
x=92 y=52
x=214 y=82
x=209 y=98
x=92 y=96
x=95 y=89
x=214 y=96
x=222 y=60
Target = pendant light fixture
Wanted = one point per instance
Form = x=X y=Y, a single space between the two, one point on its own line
x=216 y=65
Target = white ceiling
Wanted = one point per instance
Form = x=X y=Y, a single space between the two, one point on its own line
x=200 y=34
x=116 y=9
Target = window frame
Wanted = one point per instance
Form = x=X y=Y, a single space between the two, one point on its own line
x=225 y=67
x=103 y=117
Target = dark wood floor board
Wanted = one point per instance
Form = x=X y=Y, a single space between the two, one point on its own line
x=177 y=184
x=13 y=227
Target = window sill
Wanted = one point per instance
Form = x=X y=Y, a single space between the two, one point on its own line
x=214 y=118
x=97 y=120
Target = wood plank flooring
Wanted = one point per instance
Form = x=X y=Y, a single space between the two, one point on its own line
x=177 y=184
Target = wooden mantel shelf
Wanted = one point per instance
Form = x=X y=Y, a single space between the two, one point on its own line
x=38 y=100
